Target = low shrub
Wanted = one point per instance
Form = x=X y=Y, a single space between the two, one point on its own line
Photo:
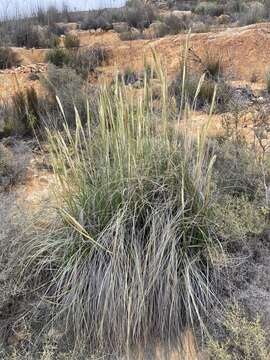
x=58 y=57
x=25 y=35
x=87 y=60
x=129 y=76
x=71 y=41
x=244 y=339
x=54 y=41
x=209 y=8
x=212 y=66
x=130 y=35
x=176 y=25
x=205 y=94
x=255 y=13
x=22 y=114
x=268 y=82
x=138 y=14
x=8 y=58
x=67 y=85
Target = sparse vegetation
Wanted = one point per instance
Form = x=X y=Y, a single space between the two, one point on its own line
x=8 y=58
x=58 y=57
x=245 y=339
x=71 y=41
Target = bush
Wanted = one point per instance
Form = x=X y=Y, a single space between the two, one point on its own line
x=23 y=117
x=176 y=25
x=205 y=94
x=130 y=35
x=268 y=82
x=26 y=35
x=254 y=14
x=244 y=339
x=58 y=57
x=139 y=15
x=209 y=8
x=213 y=66
x=54 y=41
x=8 y=58
x=129 y=77
x=68 y=87
x=87 y=60
x=71 y=41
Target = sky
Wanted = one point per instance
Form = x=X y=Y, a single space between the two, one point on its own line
x=10 y=7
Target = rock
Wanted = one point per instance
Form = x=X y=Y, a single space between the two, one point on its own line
x=99 y=30
x=120 y=27
x=182 y=15
x=224 y=19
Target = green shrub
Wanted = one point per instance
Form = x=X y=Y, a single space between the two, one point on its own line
x=25 y=112
x=71 y=41
x=129 y=76
x=130 y=35
x=138 y=14
x=255 y=13
x=213 y=66
x=58 y=57
x=8 y=58
x=205 y=95
x=246 y=339
x=176 y=25
x=25 y=35
x=87 y=60
x=54 y=41
x=209 y=8
x=68 y=87
x=268 y=82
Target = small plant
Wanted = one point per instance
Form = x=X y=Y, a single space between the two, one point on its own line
x=8 y=58
x=129 y=77
x=245 y=339
x=26 y=110
x=268 y=81
x=138 y=14
x=58 y=57
x=86 y=61
x=209 y=8
x=130 y=35
x=71 y=41
x=177 y=25
x=54 y=41
x=26 y=36
x=255 y=13
x=67 y=85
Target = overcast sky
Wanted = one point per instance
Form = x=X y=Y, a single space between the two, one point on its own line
x=23 y=6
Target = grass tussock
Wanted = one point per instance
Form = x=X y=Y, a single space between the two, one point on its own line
x=135 y=208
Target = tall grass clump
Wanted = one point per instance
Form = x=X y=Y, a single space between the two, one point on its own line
x=129 y=264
